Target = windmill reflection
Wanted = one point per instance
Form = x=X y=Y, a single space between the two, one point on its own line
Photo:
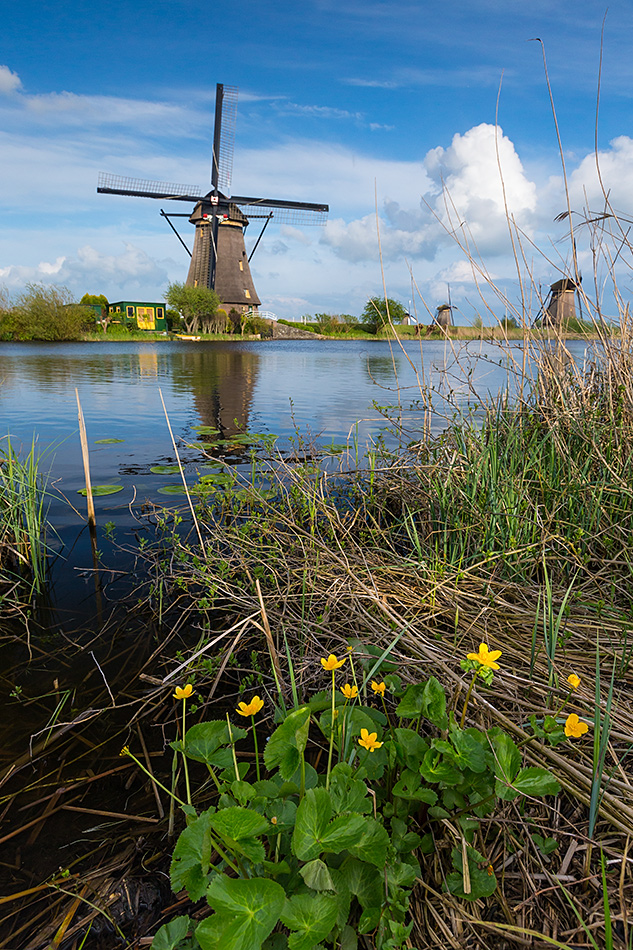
x=222 y=381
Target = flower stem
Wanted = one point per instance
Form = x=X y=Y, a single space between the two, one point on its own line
x=329 y=756
x=184 y=757
x=466 y=701
x=256 y=749
x=237 y=771
x=154 y=779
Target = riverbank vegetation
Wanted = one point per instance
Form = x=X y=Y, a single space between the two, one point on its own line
x=426 y=665
x=22 y=529
x=512 y=531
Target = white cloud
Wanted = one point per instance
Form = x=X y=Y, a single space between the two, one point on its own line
x=319 y=112
x=463 y=193
x=134 y=269
x=616 y=169
x=475 y=178
x=9 y=82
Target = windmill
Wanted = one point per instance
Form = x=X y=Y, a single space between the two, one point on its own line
x=219 y=259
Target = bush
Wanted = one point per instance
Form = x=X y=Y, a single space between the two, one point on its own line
x=45 y=313
x=255 y=324
x=174 y=323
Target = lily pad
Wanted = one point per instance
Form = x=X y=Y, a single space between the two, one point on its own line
x=107 y=441
x=205 y=430
x=247 y=438
x=201 y=446
x=172 y=490
x=219 y=478
x=101 y=490
x=335 y=449
x=164 y=469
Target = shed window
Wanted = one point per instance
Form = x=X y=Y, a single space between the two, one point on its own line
x=130 y=311
x=159 y=313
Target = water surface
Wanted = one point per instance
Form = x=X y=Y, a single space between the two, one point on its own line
x=316 y=391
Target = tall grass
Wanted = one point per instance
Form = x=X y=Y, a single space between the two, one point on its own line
x=22 y=519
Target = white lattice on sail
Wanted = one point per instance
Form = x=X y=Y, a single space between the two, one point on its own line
x=227 y=138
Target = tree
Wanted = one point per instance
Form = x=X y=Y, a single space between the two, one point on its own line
x=99 y=300
x=379 y=312
x=198 y=308
x=96 y=300
x=326 y=322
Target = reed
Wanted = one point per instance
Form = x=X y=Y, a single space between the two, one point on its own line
x=22 y=521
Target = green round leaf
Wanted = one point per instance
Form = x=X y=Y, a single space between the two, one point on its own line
x=101 y=490
x=172 y=490
x=164 y=469
x=107 y=441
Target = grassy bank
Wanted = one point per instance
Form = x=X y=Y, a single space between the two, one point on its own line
x=513 y=533
x=516 y=535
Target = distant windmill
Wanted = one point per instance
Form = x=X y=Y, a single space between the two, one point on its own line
x=219 y=259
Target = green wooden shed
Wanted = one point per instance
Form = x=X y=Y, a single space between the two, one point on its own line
x=139 y=314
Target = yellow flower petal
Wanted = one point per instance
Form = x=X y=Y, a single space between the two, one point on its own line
x=573 y=680
x=486 y=657
x=183 y=692
x=378 y=688
x=575 y=727
x=350 y=692
x=252 y=708
x=331 y=663
x=368 y=740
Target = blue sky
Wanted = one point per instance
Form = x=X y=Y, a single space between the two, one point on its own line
x=371 y=106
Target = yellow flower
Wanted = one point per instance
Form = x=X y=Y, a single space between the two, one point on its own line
x=349 y=692
x=378 y=688
x=573 y=680
x=250 y=709
x=368 y=740
x=273 y=820
x=183 y=692
x=332 y=663
x=574 y=727
x=486 y=657
x=125 y=750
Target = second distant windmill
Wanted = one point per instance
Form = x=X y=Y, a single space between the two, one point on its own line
x=219 y=258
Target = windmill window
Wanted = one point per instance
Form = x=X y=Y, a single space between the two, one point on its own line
x=247 y=293
x=241 y=266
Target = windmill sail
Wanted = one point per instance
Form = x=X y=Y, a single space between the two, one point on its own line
x=142 y=188
x=223 y=137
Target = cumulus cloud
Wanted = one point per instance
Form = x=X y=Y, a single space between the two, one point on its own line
x=132 y=269
x=472 y=184
x=9 y=82
x=616 y=169
x=464 y=192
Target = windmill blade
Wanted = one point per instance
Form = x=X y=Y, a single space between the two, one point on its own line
x=223 y=137
x=299 y=213
x=141 y=188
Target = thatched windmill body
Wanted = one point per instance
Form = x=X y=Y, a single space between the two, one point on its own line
x=219 y=258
